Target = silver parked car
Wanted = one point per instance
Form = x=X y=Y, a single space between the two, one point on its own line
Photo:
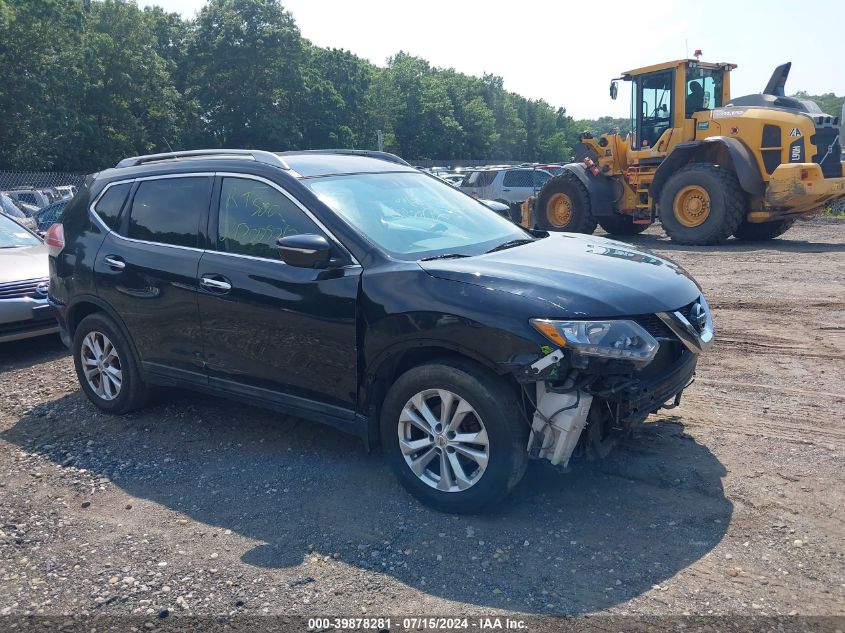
x=24 y=281
x=506 y=185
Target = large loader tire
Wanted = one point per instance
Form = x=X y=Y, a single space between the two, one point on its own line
x=702 y=204
x=620 y=224
x=760 y=232
x=563 y=204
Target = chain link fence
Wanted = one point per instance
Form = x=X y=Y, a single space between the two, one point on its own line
x=39 y=179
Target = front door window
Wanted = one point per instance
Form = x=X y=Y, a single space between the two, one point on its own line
x=653 y=105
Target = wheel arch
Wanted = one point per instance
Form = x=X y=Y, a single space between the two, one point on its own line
x=86 y=305
x=398 y=359
x=718 y=150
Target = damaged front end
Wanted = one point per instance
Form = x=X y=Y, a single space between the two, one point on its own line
x=605 y=376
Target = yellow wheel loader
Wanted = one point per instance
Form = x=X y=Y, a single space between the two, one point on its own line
x=706 y=165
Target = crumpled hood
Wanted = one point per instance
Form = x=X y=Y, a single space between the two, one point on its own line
x=578 y=275
x=26 y=262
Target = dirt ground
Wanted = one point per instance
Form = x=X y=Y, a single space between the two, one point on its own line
x=731 y=504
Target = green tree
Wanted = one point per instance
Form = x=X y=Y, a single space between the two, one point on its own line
x=127 y=101
x=828 y=102
x=245 y=60
x=39 y=52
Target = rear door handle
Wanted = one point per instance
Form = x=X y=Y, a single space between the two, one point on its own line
x=217 y=283
x=115 y=262
x=508 y=190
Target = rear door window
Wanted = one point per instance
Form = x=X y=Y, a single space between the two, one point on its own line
x=253 y=215
x=110 y=204
x=169 y=210
x=479 y=179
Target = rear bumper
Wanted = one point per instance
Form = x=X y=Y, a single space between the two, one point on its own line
x=59 y=311
x=26 y=317
x=796 y=188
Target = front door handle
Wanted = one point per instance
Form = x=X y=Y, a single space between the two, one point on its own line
x=115 y=262
x=508 y=190
x=215 y=283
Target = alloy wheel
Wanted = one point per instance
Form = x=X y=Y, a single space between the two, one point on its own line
x=443 y=440
x=101 y=365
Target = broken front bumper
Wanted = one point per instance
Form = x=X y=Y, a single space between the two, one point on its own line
x=561 y=415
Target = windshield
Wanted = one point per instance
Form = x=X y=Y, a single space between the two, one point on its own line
x=413 y=216
x=13 y=235
x=8 y=206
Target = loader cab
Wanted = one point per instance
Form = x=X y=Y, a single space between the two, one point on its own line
x=665 y=98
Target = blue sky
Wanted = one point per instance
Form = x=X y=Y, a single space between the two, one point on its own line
x=566 y=52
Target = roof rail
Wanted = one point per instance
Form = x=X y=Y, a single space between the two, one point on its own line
x=387 y=156
x=257 y=155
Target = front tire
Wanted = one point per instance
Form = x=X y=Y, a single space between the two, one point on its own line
x=563 y=204
x=701 y=205
x=751 y=232
x=455 y=436
x=106 y=366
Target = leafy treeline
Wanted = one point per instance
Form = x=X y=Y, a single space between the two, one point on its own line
x=828 y=102
x=86 y=82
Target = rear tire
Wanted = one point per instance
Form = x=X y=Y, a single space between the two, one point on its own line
x=750 y=232
x=701 y=205
x=620 y=224
x=106 y=366
x=563 y=204
x=486 y=404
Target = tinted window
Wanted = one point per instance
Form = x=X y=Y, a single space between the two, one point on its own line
x=168 y=211
x=519 y=178
x=253 y=215
x=109 y=206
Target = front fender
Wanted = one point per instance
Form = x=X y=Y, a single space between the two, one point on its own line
x=602 y=202
x=717 y=150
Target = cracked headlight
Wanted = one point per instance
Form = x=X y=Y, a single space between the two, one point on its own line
x=622 y=339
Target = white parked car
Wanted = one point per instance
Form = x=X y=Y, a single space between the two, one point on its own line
x=507 y=185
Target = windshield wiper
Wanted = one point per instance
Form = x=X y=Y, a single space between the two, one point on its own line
x=510 y=244
x=443 y=256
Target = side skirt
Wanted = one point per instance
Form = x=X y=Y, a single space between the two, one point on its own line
x=345 y=420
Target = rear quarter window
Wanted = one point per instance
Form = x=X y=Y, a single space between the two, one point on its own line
x=109 y=206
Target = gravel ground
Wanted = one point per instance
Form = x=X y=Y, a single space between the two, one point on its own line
x=730 y=504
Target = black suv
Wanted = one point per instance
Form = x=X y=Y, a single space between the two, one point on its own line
x=351 y=289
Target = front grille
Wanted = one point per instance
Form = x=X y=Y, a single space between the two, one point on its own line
x=653 y=324
x=827 y=141
x=21 y=289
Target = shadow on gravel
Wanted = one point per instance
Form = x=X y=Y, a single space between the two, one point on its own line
x=562 y=543
x=31 y=351
x=782 y=244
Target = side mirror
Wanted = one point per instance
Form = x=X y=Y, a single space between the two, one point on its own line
x=305 y=251
x=614 y=90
